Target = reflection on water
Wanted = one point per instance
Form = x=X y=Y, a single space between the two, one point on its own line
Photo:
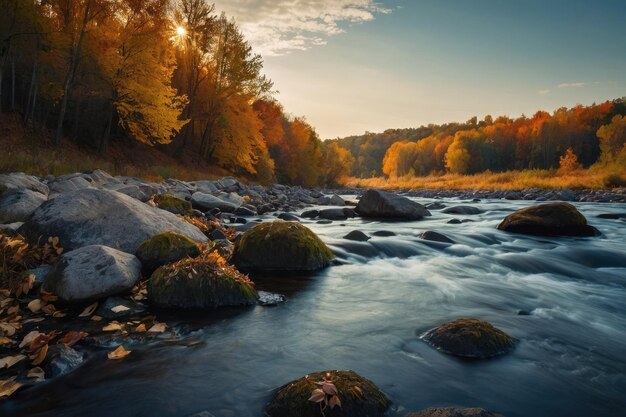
x=365 y=314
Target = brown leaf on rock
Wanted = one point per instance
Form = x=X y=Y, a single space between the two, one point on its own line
x=334 y=402
x=35 y=305
x=39 y=357
x=49 y=309
x=157 y=328
x=58 y=314
x=89 y=310
x=5 y=341
x=141 y=328
x=96 y=318
x=9 y=361
x=111 y=327
x=73 y=337
x=36 y=373
x=8 y=387
x=29 y=338
x=8 y=328
x=329 y=388
x=317 y=396
x=119 y=309
x=48 y=296
x=118 y=353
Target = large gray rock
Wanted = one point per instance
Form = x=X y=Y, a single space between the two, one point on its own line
x=67 y=184
x=93 y=272
x=381 y=204
x=101 y=217
x=17 y=204
x=21 y=180
x=205 y=201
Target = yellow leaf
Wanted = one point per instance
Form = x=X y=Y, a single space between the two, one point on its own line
x=40 y=356
x=34 y=305
x=141 y=328
x=9 y=361
x=96 y=318
x=118 y=353
x=29 y=338
x=119 y=309
x=158 y=328
x=89 y=310
x=5 y=341
x=8 y=387
x=111 y=327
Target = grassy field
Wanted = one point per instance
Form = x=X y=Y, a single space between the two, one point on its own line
x=594 y=178
x=22 y=151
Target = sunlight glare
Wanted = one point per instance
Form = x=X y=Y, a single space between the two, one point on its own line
x=181 y=31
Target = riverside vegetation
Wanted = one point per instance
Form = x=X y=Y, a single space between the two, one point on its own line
x=88 y=255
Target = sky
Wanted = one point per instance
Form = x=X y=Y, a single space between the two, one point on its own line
x=351 y=66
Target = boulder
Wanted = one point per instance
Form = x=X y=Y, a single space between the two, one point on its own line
x=67 y=184
x=200 y=283
x=454 y=412
x=165 y=248
x=467 y=210
x=101 y=217
x=172 y=204
x=17 y=204
x=290 y=217
x=357 y=235
x=310 y=214
x=21 y=180
x=435 y=237
x=383 y=233
x=551 y=219
x=435 y=206
x=245 y=211
x=469 y=338
x=359 y=397
x=207 y=202
x=336 y=213
x=381 y=204
x=91 y=273
x=281 y=245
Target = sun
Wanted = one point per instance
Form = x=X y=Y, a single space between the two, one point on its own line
x=181 y=31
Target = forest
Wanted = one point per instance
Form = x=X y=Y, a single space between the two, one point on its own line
x=175 y=75
x=567 y=139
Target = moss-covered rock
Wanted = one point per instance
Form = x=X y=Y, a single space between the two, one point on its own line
x=551 y=219
x=281 y=246
x=172 y=204
x=359 y=397
x=469 y=338
x=207 y=281
x=165 y=248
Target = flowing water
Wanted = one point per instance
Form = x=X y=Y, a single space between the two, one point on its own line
x=366 y=315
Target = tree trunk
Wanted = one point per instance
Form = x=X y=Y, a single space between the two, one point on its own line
x=69 y=79
x=104 y=143
x=13 y=84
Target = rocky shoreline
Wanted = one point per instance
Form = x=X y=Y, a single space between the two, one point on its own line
x=90 y=259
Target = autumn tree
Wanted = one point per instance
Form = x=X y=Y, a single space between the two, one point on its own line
x=569 y=162
x=612 y=137
x=337 y=163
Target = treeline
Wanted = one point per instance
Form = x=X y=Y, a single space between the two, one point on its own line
x=174 y=74
x=595 y=133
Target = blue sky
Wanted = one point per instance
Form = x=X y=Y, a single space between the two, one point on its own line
x=352 y=66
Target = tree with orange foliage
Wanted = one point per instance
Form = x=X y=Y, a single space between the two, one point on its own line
x=569 y=162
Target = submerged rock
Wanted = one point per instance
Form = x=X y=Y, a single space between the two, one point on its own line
x=357 y=235
x=359 y=397
x=279 y=245
x=469 y=338
x=165 y=248
x=93 y=272
x=172 y=204
x=381 y=204
x=454 y=412
x=435 y=237
x=131 y=308
x=552 y=219
x=270 y=299
x=462 y=210
x=336 y=213
x=61 y=360
x=384 y=233
x=101 y=217
x=290 y=217
x=203 y=282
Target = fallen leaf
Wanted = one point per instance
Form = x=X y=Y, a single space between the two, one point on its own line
x=141 y=328
x=158 y=328
x=34 y=320
x=9 y=361
x=49 y=309
x=89 y=310
x=118 y=353
x=111 y=327
x=329 y=388
x=40 y=356
x=119 y=309
x=358 y=390
x=28 y=283
x=334 y=402
x=29 y=338
x=35 y=305
x=5 y=340
x=6 y=302
x=71 y=338
x=8 y=387
x=59 y=314
x=48 y=296
x=8 y=329
x=317 y=396
x=96 y=318
x=13 y=310
x=36 y=373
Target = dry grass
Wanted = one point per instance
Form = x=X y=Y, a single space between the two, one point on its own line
x=593 y=178
x=23 y=151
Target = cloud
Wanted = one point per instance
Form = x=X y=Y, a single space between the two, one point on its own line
x=543 y=92
x=572 y=85
x=278 y=27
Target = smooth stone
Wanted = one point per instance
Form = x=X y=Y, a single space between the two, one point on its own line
x=17 y=204
x=454 y=221
x=466 y=210
x=357 y=235
x=383 y=233
x=290 y=217
x=21 y=180
x=310 y=214
x=206 y=202
x=551 y=219
x=435 y=237
x=381 y=204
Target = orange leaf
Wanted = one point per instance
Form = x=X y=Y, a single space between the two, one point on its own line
x=72 y=338
x=8 y=387
x=118 y=353
x=39 y=357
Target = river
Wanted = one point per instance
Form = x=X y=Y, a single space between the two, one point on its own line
x=366 y=314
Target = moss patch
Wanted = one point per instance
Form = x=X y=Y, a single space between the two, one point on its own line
x=280 y=245
x=172 y=204
x=359 y=397
x=552 y=219
x=207 y=281
x=165 y=248
x=471 y=338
